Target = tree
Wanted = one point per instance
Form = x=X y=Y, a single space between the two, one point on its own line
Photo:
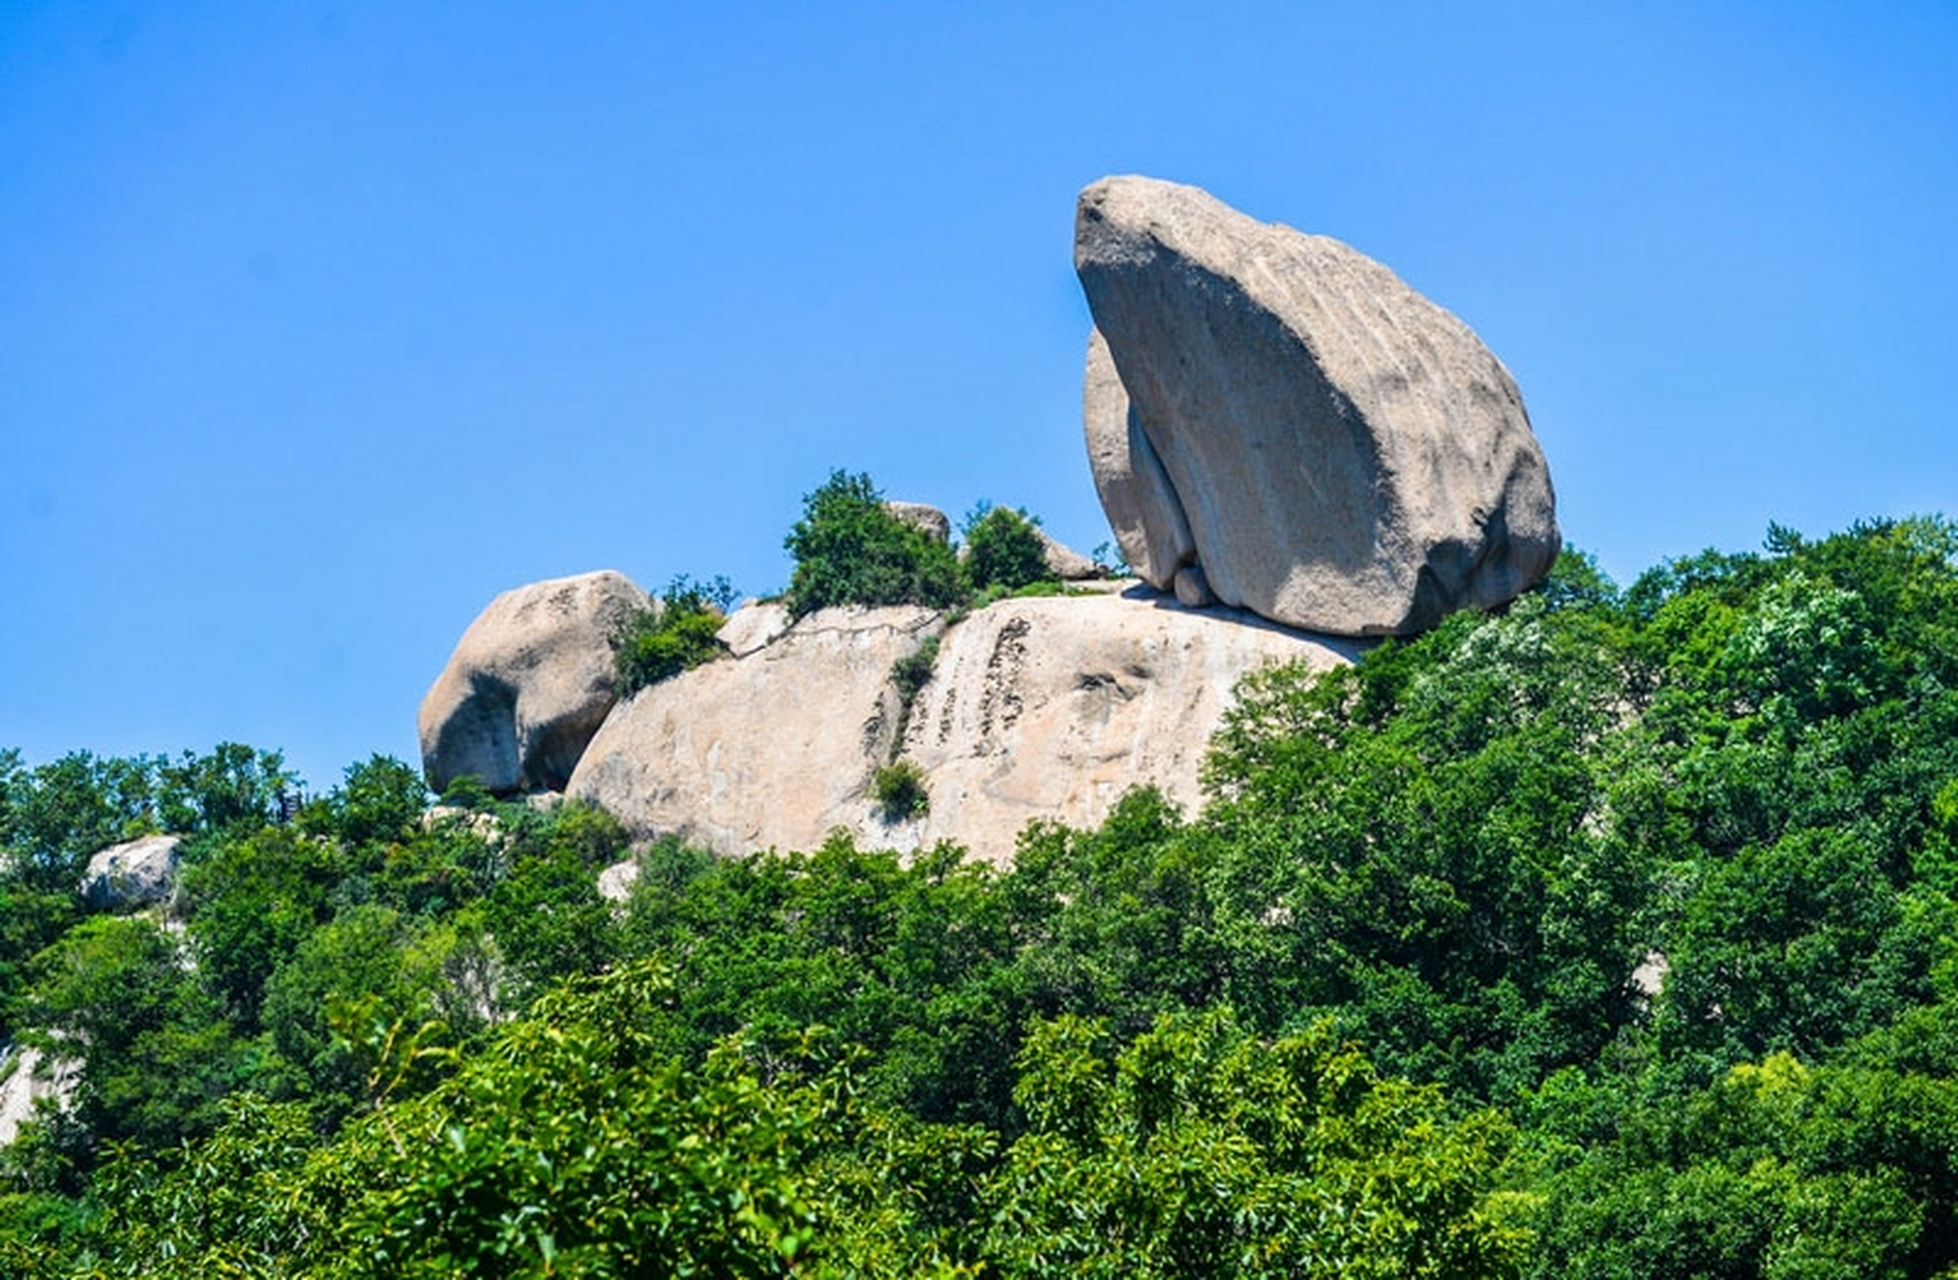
x=849 y=549
x=676 y=633
x=1003 y=549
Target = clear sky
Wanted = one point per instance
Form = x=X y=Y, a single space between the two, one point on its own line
x=322 y=324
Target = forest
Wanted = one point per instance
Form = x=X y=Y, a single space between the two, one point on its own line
x=1611 y=935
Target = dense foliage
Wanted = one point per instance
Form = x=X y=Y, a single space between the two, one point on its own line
x=849 y=549
x=1003 y=550
x=1613 y=936
x=672 y=634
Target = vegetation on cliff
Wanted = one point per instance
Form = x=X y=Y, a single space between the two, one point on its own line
x=1612 y=936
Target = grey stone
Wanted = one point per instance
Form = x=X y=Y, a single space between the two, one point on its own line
x=924 y=516
x=136 y=873
x=1063 y=561
x=528 y=684
x=753 y=626
x=1345 y=455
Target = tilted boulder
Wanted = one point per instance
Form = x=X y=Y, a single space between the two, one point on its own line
x=1063 y=561
x=1044 y=708
x=136 y=873
x=1283 y=425
x=528 y=685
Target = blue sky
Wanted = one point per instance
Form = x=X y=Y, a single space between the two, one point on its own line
x=322 y=324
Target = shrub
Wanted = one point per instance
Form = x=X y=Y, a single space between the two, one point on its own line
x=674 y=635
x=849 y=550
x=900 y=789
x=912 y=672
x=1003 y=548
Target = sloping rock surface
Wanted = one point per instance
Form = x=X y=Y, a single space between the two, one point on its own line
x=1291 y=429
x=1037 y=708
x=136 y=873
x=1053 y=708
x=774 y=748
x=528 y=684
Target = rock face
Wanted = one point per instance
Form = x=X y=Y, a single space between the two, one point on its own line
x=1037 y=708
x=771 y=749
x=1054 y=707
x=528 y=685
x=137 y=873
x=1278 y=422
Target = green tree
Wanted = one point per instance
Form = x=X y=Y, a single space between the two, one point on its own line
x=673 y=634
x=849 y=549
x=1003 y=549
x=1200 y=1151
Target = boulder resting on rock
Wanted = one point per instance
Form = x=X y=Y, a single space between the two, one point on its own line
x=1283 y=425
x=528 y=684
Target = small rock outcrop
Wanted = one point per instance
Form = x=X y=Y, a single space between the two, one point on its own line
x=1277 y=422
x=1036 y=708
x=529 y=683
x=136 y=873
x=923 y=517
x=1063 y=561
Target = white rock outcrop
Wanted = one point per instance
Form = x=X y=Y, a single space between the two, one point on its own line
x=528 y=684
x=1278 y=422
x=26 y=1078
x=1046 y=708
x=135 y=873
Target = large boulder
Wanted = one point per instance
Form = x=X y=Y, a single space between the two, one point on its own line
x=1045 y=708
x=529 y=683
x=1278 y=422
x=136 y=873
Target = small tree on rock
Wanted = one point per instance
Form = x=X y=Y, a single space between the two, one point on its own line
x=849 y=549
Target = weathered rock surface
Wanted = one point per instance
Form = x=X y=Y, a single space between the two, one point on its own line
x=1135 y=491
x=771 y=749
x=753 y=626
x=1283 y=414
x=136 y=873
x=922 y=516
x=529 y=683
x=1063 y=561
x=1037 y=708
x=1054 y=707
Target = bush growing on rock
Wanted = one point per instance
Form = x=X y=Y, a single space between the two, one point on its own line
x=1003 y=549
x=849 y=549
x=676 y=634
x=900 y=788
